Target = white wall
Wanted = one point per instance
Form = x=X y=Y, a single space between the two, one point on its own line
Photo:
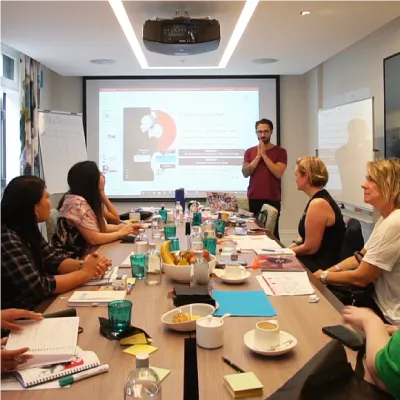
x=61 y=93
x=294 y=138
x=353 y=74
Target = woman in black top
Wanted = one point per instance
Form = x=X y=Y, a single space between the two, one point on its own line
x=321 y=227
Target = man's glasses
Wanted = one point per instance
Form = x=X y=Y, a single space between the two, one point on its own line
x=261 y=132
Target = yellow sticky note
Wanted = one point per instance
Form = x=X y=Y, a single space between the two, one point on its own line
x=131 y=281
x=161 y=372
x=140 y=348
x=139 y=338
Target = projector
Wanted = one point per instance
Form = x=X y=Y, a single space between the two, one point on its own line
x=181 y=36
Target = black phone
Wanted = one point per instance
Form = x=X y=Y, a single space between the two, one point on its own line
x=345 y=336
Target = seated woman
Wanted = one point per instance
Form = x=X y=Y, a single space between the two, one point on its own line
x=81 y=222
x=30 y=269
x=379 y=260
x=321 y=227
x=382 y=362
x=110 y=212
x=12 y=359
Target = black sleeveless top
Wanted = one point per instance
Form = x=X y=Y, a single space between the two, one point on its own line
x=331 y=244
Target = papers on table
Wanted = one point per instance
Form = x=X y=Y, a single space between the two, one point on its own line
x=108 y=278
x=274 y=251
x=285 y=283
x=127 y=262
x=255 y=242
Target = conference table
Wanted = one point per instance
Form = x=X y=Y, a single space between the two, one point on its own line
x=295 y=314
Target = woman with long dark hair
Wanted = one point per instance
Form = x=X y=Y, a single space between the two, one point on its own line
x=30 y=269
x=81 y=222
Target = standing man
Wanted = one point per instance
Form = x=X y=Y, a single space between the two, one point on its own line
x=265 y=164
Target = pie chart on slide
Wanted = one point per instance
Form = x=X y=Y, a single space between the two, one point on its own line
x=168 y=130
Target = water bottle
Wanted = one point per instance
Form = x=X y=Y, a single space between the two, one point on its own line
x=141 y=243
x=154 y=271
x=178 y=213
x=199 y=270
x=142 y=382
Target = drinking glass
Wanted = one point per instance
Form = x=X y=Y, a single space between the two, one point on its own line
x=169 y=232
x=138 y=265
x=220 y=227
x=164 y=215
x=119 y=315
x=210 y=244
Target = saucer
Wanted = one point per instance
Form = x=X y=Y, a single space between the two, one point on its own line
x=233 y=280
x=288 y=343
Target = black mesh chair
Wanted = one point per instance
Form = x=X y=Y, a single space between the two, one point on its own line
x=353 y=239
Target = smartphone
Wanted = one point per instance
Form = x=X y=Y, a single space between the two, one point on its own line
x=345 y=336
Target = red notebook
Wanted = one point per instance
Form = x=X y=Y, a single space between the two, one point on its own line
x=279 y=263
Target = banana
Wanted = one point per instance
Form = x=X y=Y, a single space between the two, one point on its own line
x=165 y=253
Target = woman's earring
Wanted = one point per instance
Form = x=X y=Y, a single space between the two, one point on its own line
x=37 y=215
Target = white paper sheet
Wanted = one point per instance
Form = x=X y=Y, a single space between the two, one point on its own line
x=275 y=252
x=109 y=278
x=285 y=283
x=127 y=262
x=10 y=383
x=255 y=242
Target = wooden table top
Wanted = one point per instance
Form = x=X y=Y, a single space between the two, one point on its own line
x=295 y=315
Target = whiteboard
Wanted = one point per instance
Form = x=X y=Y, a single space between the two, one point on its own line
x=345 y=144
x=62 y=144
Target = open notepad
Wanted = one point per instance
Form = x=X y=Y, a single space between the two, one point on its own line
x=285 y=283
x=50 y=341
x=95 y=298
x=82 y=361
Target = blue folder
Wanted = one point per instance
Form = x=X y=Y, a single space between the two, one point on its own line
x=248 y=303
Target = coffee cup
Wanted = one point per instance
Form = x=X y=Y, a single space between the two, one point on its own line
x=234 y=271
x=210 y=332
x=267 y=335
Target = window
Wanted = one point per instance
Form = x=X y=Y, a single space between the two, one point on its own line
x=9 y=68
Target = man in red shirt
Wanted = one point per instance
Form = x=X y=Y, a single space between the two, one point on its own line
x=265 y=164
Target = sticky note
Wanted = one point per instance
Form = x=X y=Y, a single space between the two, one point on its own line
x=131 y=281
x=161 y=372
x=140 y=348
x=139 y=338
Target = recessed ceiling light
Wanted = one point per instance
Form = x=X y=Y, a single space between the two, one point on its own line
x=102 y=61
x=305 y=12
x=123 y=19
x=264 y=60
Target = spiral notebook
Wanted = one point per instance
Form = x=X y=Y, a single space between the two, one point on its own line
x=82 y=361
x=50 y=341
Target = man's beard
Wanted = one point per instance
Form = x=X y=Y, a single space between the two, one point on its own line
x=265 y=140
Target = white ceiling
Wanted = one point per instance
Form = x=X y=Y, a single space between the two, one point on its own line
x=65 y=35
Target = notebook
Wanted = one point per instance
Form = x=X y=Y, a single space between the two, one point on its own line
x=82 y=361
x=50 y=341
x=243 y=385
x=95 y=298
x=279 y=263
x=246 y=303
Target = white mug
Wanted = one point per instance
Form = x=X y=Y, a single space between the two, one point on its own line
x=210 y=332
x=234 y=271
x=267 y=335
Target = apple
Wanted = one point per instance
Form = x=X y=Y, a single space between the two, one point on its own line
x=206 y=255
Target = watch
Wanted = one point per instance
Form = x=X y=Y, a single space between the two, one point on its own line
x=323 y=277
x=80 y=265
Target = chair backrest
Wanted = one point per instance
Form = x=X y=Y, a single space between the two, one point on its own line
x=353 y=239
x=267 y=216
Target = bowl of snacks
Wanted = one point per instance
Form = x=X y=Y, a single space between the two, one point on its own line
x=176 y=265
x=183 y=319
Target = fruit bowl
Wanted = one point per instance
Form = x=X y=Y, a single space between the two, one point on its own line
x=181 y=273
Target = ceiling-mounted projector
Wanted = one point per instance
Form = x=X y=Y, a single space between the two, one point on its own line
x=181 y=35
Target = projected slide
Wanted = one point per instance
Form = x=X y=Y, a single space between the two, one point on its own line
x=345 y=143
x=153 y=141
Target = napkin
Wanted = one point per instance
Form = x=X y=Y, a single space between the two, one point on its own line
x=105 y=331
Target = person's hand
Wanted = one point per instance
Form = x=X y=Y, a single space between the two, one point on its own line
x=391 y=329
x=136 y=227
x=261 y=149
x=318 y=273
x=126 y=229
x=102 y=183
x=358 y=317
x=11 y=359
x=95 y=264
x=12 y=314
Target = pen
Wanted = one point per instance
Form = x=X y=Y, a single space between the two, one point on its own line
x=69 y=380
x=271 y=250
x=231 y=364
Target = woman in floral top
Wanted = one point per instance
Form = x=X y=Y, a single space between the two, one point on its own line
x=81 y=224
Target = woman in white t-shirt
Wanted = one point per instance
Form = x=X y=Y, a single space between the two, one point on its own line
x=380 y=257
